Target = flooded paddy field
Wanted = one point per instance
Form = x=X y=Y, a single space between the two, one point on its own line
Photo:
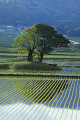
x=74 y=71
x=39 y=98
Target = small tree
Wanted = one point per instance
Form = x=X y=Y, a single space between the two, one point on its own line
x=26 y=42
x=49 y=39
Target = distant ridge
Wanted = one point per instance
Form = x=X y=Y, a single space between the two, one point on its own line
x=29 y=12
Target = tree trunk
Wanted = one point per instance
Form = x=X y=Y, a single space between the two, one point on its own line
x=41 y=57
x=30 y=57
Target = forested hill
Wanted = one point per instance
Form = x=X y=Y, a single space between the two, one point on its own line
x=29 y=12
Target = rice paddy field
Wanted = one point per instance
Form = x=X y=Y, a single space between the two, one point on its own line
x=39 y=98
x=31 y=91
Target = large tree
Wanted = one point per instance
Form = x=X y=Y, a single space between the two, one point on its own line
x=26 y=42
x=40 y=37
x=49 y=39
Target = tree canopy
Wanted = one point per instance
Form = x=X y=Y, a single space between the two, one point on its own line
x=49 y=39
x=26 y=42
x=40 y=37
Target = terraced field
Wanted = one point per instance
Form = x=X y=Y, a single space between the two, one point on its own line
x=39 y=94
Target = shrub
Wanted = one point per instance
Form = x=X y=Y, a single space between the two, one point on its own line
x=35 y=66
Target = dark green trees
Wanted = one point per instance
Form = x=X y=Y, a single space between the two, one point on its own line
x=41 y=37
x=49 y=39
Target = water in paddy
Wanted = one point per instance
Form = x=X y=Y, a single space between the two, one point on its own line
x=20 y=98
x=13 y=90
x=64 y=63
x=65 y=70
x=70 y=71
x=21 y=90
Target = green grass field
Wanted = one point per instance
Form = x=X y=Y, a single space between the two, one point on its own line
x=7 y=37
x=59 y=55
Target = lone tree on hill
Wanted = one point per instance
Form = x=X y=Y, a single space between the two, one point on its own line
x=40 y=37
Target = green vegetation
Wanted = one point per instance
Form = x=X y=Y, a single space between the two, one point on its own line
x=4 y=66
x=28 y=68
x=7 y=37
x=52 y=57
x=40 y=38
x=10 y=60
x=70 y=66
x=26 y=42
x=35 y=66
x=34 y=81
x=49 y=40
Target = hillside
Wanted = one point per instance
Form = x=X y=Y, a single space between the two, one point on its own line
x=29 y=12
